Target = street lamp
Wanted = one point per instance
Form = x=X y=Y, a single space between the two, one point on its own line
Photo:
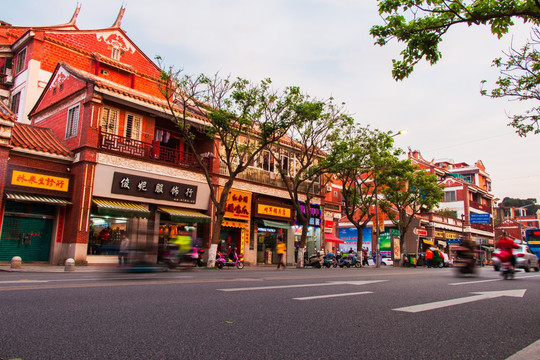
x=377 y=231
x=400 y=132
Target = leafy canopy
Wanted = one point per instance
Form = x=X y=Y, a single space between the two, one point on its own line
x=421 y=25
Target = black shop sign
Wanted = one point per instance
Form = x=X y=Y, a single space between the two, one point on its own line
x=133 y=185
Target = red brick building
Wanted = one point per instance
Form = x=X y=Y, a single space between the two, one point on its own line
x=98 y=94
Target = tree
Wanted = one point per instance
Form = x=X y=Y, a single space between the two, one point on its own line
x=242 y=119
x=357 y=159
x=314 y=128
x=408 y=191
x=421 y=25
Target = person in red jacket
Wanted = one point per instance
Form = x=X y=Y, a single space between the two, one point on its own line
x=429 y=257
x=507 y=245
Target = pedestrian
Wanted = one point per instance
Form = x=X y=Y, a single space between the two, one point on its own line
x=365 y=257
x=280 y=249
x=124 y=250
x=429 y=257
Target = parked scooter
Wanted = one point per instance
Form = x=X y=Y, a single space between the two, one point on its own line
x=230 y=260
x=329 y=260
x=314 y=260
x=349 y=260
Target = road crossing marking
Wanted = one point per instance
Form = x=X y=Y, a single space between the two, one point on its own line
x=332 y=295
x=332 y=283
x=445 y=303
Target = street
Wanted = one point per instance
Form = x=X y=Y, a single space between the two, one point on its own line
x=389 y=313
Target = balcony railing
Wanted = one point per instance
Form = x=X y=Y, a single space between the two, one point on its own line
x=483 y=227
x=149 y=151
x=480 y=206
x=265 y=177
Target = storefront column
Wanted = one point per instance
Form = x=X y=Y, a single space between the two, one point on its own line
x=75 y=239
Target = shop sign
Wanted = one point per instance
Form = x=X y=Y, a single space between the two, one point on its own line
x=395 y=232
x=127 y=184
x=439 y=234
x=428 y=241
x=397 y=249
x=328 y=226
x=450 y=235
x=238 y=204
x=40 y=181
x=315 y=214
x=420 y=232
x=271 y=210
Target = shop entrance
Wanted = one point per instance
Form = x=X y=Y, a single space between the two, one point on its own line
x=29 y=238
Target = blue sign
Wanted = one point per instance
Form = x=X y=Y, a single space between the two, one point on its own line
x=480 y=218
x=350 y=236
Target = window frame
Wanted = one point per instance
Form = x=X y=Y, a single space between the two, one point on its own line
x=72 y=123
x=12 y=106
x=138 y=131
x=107 y=125
x=451 y=194
x=20 y=63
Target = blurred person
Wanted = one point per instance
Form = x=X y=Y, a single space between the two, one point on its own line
x=281 y=248
x=429 y=257
x=124 y=250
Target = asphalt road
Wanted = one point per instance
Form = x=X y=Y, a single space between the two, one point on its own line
x=387 y=313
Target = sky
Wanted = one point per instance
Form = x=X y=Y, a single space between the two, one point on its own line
x=324 y=47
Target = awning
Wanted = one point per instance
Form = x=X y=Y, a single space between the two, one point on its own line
x=276 y=224
x=328 y=237
x=121 y=208
x=185 y=216
x=37 y=198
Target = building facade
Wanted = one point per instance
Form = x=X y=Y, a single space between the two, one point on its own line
x=129 y=172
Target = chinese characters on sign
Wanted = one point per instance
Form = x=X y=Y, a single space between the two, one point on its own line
x=134 y=185
x=238 y=204
x=271 y=210
x=41 y=181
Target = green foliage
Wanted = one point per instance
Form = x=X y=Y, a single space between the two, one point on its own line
x=447 y=212
x=357 y=159
x=421 y=25
x=407 y=192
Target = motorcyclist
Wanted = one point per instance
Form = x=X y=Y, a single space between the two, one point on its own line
x=506 y=245
x=183 y=243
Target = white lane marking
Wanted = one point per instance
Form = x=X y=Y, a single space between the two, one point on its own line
x=23 y=281
x=332 y=295
x=474 y=282
x=529 y=353
x=490 y=280
x=333 y=283
x=445 y=303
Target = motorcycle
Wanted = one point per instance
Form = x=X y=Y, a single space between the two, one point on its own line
x=174 y=259
x=314 y=260
x=200 y=257
x=349 y=260
x=464 y=263
x=329 y=260
x=231 y=260
x=507 y=270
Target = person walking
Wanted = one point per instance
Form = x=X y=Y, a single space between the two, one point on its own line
x=429 y=257
x=124 y=250
x=280 y=249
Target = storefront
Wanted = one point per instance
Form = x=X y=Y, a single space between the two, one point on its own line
x=272 y=220
x=33 y=214
x=313 y=241
x=149 y=210
x=234 y=235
